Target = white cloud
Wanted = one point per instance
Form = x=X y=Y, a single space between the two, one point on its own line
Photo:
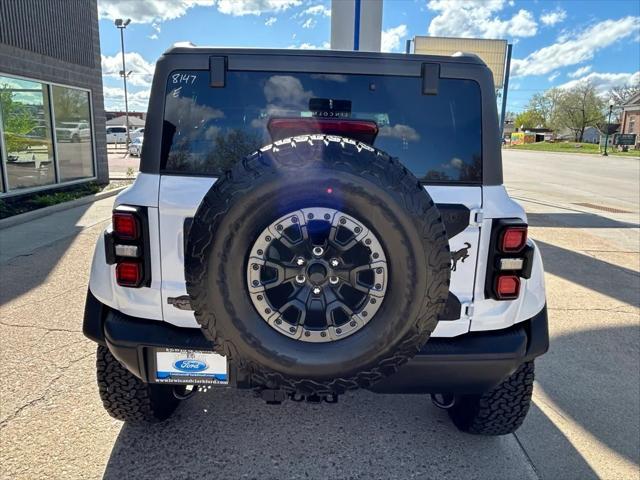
x=575 y=49
x=580 y=72
x=551 y=18
x=391 y=37
x=309 y=23
x=553 y=76
x=400 y=131
x=141 y=70
x=114 y=99
x=238 y=8
x=317 y=10
x=270 y=21
x=311 y=46
x=153 y=36
x=148 y=11
x=603 y=82
x=478 y=18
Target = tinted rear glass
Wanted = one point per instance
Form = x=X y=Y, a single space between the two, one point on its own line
x=438 y=137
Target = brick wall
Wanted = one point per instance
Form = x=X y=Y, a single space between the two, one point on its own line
x=57 y=41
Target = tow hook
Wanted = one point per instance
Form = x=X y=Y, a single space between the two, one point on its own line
x=443 y=400
x=276 y=397
x=328 y=398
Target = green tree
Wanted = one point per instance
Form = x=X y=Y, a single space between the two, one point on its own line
x=529 y=119
x=546 y=106
x=16 y=120
x=579 y=108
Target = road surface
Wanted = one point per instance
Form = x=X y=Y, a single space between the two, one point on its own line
x=584 y=422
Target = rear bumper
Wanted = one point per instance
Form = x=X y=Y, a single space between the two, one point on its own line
x=470 y=363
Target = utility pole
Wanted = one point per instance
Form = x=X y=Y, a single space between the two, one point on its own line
x=606 y=133
x=505 y=90
x=121 y=25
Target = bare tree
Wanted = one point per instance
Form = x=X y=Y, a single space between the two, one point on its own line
x=579 y=108
x=620 y=96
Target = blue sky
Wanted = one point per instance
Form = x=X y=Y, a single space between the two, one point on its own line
x=556 y=43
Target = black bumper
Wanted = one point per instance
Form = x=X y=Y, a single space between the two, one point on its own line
x=471 y=363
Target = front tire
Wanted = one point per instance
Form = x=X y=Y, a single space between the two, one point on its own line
x=499 y=411
x=125 y=397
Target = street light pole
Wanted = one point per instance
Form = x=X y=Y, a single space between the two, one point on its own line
x=606 y=135
x=121 y=25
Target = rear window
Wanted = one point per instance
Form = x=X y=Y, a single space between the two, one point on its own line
x=438 y=137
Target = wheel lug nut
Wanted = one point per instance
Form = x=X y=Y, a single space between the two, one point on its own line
x=334 y=280
x=334 y=262
x=318 y=251
x=316 y=290
x=300 y=278
x=300 y=261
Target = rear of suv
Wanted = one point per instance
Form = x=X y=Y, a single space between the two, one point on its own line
x=306 y=223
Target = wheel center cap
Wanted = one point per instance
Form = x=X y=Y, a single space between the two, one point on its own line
x=317 y=273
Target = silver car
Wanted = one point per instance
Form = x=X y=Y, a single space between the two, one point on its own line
x=135 y=147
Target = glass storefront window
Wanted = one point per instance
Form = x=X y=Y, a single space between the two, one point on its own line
x=26 y=129
x=72 y=119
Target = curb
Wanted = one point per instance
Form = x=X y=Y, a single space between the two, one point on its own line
x=591 y=154
x=43 y=212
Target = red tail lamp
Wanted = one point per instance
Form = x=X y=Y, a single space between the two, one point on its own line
x=362 y=130
x=129 y=274
x=513 y=239
x=507 y=287
x=125 y=226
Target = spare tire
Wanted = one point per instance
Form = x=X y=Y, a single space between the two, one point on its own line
x=317 y=264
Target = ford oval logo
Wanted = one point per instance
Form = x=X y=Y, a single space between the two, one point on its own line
x=190 y=365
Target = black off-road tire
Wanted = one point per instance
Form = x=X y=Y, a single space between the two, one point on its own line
x=307 y=168
x=125 y=397
x=499 y=411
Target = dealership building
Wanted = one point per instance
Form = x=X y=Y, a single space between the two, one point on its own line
x=52 y=121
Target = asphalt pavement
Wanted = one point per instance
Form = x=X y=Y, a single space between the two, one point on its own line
x=584 y=422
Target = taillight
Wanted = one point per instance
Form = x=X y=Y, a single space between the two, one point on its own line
x=513 y=239
x=509 y=259
x=363 y=130
x=127 y=246
x=507 y=287
x=129 y=274
x=125 y=226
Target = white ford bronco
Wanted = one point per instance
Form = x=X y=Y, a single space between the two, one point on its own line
x=307 y=223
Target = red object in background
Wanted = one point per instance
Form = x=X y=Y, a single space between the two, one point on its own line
x=513 y=239
x=125 y=226
x=362 y=130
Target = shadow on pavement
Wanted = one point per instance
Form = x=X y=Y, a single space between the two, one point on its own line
x=575 y=220
x=612 y=280
x=592 y=376
x=29 y=252
x=230 y=434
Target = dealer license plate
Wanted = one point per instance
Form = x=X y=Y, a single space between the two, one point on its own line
x=190 y=366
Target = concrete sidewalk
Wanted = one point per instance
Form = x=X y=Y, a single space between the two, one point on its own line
x=27 y=237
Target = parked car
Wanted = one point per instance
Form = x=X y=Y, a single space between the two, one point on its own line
x=80 y=133
x=308 y=223
x=135 y=147
x=137 y=132
x=116 y=134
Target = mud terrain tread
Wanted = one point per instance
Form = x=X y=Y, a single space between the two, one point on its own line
x=376 y=169
x=125 y=397
x=499 y=411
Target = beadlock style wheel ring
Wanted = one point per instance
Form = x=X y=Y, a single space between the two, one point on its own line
x=317 y=275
